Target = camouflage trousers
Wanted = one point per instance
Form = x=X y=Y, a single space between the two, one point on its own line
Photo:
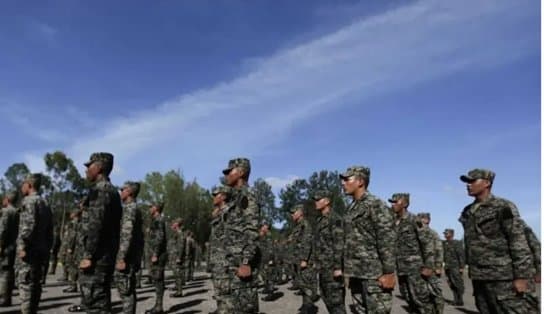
x=95 y=286
x=307 y=283
x=424 y=296
x=126 y=285
x=179 y=276
x=498 y=297
x=189 y=270
x=236 y=296
x=157 y=275
x=30 y=288
x=456 y=284
x=332 y=292
x=72 y=270
x=7 y=282
x=368 y=297
x=267 y=278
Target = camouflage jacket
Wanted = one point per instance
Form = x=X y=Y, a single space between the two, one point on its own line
x=101 y=224
x=69 y=241
x=217 y=251
x=437 y=249
x=157 y=238
x=266 y=247
x=131 y=241
x=495 y=243
x=454 y=255
x=35 y=228
x=241 y=231
x=177 y=246
x=190 y=249
x=329 y=243
x=9 y=226
x=369 y=247
x=534 y=245
x=303 y=242
x=414 y=245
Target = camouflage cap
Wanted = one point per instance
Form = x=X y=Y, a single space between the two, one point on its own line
x=476 y=174
x=296 y=208
x=133 y=186
x=320 y=194
x=361 y=171
x=35 y=179
x=398 y=196
x=105 y=158
x=424 y=215
x=12 y=196
x=178 y=221
x=237 y=162
x=449 y=231
x=222 y=189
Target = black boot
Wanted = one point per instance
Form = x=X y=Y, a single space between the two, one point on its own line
x=70 y=289
x=178 y=294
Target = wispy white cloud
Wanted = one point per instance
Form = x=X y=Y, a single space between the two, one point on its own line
x=378 y=54
x=279 y=183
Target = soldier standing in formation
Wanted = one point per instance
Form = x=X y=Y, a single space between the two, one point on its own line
x=9 y=226
x=534 y=245
x=99 y=239
x=433 y=281
x=189 y=256
x=498 y=255
x=328 y=255
x=414 y=255
x=129 y=256
x=242 y=247
x=267 y=262
x=69 y=244
x=33 y=243
x=159 y=256
x=177 y=257
x=369 y=250
x=454 y=258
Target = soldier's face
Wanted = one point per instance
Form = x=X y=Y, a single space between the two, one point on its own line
x=398 y=205
x=351 y=184
x=233 y=176
x=25 y=188
x=5 y=202
x=296 y=215
x=125 y=193
x=322 y=204
x=449 y=235
x=264 y=230
x=425 y=220
x=477 y=186
x=93 y=171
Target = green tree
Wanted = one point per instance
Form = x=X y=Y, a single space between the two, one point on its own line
x=267 y=202
x=330 y=181
x=15 y=174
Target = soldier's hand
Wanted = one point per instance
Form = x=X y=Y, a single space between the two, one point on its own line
x=303 y=264
x=426 y=272
x=520 y=285
x=271 y=263
x=438 y=272
x=461 y=270
x=244 y=271
x=387 y=281
x=154 y=259
x=22 y=254
x=537 y=278
x=85 y=263
x=69 y=251
x=120 y=265
x=337 y=273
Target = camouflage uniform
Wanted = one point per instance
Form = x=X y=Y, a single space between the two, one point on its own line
x=177 y=258
x=454 y=258
x=328 y=258
x=130 y=250
x=414 y=250
x=9 y=225
x=158 y=243
x=369 y=249
x=534 y=245
x=240 y=241
x=267 y=263
x=497 y=252
x=99 y=239
x=70 y=256
x=54 y=250
x=35 y=239
x=189 y=257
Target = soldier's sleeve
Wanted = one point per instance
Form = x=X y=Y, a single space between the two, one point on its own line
x=426 y=242
x=534 y=245
x=338 y=244
x=520 y=252
x=251 y=226
x=98 y=201
x=460 y=253
x=439 y=253
x=27 y=224
x=385 y=236
x=306 y=241
x=160 y=237
x=3 y=230
x=127 y=227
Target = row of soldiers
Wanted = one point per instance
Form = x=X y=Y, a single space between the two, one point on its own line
x=375 y=245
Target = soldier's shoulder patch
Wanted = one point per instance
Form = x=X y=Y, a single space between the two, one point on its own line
x=244 y=202
x=338 y=222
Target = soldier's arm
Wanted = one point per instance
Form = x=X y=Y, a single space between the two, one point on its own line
x=338 y=244
x=127 y=227
x=534 y=245
x=460 y=253
x=27 y=223
x=160 y=237
x=426 y=242
x=306 y=241
x=439 y=253
x=98 y=201
x=3 y=231
x=385 y=236
x=250 y=228
x=520 y=252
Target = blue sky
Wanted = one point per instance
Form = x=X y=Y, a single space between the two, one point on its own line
x=420 y=91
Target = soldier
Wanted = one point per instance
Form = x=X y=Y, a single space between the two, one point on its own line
x=55 y=250
x=222 y=197
x=497 y=252
x=534 y=245
x=454 y=258
x=190 y=251
x=208 y=256
x=304 y=257
x=329 y=246
x=177 y=256
x=33 y=243
x=99 y=238
x=438 y=250
x=369 y=249
x=159 y=256
x=267 y=262
x=241 y=240
x=414 y=255
x=62 y=250
x=69 y=245
x=9 y=226
x=129 y=256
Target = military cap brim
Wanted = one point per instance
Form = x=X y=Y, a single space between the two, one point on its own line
x=467 y=179
x=227 y=171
